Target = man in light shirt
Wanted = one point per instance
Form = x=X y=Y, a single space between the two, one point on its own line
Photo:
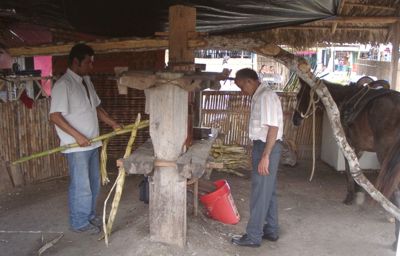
x=75 y=110
x=265 y=130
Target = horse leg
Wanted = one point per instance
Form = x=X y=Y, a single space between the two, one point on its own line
x=350 y=185
x=396 y=201
x=360 y=192
x=354 y=191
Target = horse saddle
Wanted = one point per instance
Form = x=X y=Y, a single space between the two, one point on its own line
x=356 y=103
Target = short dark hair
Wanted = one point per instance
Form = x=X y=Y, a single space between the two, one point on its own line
x=3 y=48
x=246 y=73
x=80 y=51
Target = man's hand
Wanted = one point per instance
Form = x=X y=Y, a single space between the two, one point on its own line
x=116 y=126
x=263 y=166
x=103 y=116
x=82 y=141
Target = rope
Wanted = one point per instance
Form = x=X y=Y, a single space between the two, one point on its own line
x=311 y=105
x=164 y=163
x=310 y=111
x=360 y=98
x=313 y=137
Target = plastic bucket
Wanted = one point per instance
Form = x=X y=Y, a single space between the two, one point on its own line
x=220 y=205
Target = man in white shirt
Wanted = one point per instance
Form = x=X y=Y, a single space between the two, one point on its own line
x=75 y=110
x=265 y=130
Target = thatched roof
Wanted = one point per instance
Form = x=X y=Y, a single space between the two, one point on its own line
x=292 y=23
x=357 y=21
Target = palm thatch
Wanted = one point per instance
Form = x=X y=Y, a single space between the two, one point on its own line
x=357 y=21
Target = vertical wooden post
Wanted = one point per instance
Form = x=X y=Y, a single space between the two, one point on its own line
x=395 y=56
x=182 y=23
x=167 y=106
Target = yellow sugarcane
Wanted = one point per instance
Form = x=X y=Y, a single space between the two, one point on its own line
x=118 y=185
x=103 y=164
x=123 y=130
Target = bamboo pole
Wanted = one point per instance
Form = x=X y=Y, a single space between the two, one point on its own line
x=118 y=185
x=125 y=129
x=103 y=164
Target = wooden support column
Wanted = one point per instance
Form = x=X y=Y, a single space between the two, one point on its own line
x=182 y=23
x=394 y=84
x=167 y=106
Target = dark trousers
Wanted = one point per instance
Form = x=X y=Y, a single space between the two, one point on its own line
x=263 y=201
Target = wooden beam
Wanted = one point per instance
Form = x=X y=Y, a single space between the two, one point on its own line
x=340 y=7
x=333 y=28
x=395 y=57
x=370 y=6
x=193 y=81
x=191 y=164
x=372 y=29
x=338 y=12
x=361 y=20
x=149 y=44
x=98 y=46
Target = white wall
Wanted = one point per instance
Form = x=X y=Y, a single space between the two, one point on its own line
x=216 y=65
x=333 y=156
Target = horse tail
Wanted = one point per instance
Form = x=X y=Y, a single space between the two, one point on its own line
x=389 y=175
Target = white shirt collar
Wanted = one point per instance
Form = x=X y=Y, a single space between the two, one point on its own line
x=74 y=75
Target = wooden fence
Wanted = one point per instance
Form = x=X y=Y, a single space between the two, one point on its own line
x=230 y=112
x=25 y=131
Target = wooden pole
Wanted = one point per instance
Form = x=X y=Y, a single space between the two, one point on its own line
x=182 y=23
x=168 y=109
x=168 y=122
x=395 y=57
x=361 y=20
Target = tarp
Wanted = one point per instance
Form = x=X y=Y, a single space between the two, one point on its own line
x=144 y=18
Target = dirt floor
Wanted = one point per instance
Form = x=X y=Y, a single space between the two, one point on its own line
x=312 y=218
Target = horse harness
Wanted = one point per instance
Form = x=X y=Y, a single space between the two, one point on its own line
x=352 y=107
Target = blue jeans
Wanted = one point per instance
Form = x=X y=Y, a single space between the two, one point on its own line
x=84 y=186
x=263 y=203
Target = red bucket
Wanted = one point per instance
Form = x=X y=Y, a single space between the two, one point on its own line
x=220 y=205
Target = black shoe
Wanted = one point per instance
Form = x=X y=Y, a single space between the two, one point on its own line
x=89 y=228
x=244 y=241
x=97 y=221
x=269 y=237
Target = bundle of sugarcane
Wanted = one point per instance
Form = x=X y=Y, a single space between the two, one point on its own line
x=118 y=186
x=105 y=138
x=233 y=157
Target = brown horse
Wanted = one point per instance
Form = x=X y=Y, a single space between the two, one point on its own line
x=371 y=121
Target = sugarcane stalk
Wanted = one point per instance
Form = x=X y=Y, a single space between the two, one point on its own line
x=103 y=163
x=230 y=171
x=125 y=129
x=232 y=156
x=118 y=185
